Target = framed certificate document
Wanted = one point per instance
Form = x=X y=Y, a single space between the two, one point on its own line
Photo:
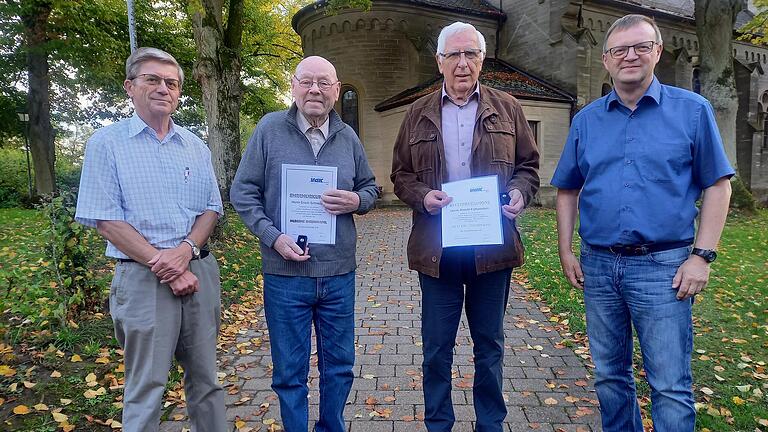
x=474 y=216
x=301 y=211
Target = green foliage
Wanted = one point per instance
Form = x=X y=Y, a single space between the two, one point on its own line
x=72 y=256
x=756 y=30
x=14 y=190
x=741 y=197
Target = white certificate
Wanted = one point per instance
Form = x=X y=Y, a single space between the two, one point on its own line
x=474 y=216
x=301 y=212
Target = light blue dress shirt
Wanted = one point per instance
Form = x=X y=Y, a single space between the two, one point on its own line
x=158 y=187
x=640 y=172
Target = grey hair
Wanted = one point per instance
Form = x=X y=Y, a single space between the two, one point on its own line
x=628 y=21
x=145 y=54
x=455 y=28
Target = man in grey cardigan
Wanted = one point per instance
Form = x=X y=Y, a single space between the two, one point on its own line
x=301 y=289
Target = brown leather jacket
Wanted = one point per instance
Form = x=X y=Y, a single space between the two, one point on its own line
x=503 y=145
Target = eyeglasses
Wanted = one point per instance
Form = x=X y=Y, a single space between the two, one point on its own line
x=641 y=48
x=322 y=84
x=154 y=81
x=470 y=55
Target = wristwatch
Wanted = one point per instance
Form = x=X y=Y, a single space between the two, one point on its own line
x=193 y=245
x=709 y=255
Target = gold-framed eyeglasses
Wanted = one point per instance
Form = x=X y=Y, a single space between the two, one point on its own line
x=154 y=81
x=322 y=84
x=470 y=55
x=642 y=48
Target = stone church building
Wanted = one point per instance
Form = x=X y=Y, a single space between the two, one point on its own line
x=546 y=53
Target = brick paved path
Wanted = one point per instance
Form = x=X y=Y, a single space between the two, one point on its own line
x=546 y=384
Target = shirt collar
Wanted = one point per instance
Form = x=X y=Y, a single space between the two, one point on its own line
x=475 y=93
x=305 y=126
x=137 y=126
x=653 y=92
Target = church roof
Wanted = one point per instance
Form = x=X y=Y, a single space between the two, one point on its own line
x=496 y=74
x=682 y=8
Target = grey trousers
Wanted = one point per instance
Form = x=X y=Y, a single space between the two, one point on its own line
x=152 y=325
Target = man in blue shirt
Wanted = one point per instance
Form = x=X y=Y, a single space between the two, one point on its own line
x=636 y=161
x=149 y=188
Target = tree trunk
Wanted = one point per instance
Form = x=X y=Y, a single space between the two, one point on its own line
x=217 y=69
x=41 y=138
x=714 y=29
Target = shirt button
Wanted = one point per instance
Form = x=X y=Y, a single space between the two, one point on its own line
x=462 y=144
x=463 y=164
x=630 y=139
x=434 y=259
x=461 y=125
x=629 y=162
x=626 y=185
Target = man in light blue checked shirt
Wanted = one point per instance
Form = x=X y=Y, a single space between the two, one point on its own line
x=148 y=187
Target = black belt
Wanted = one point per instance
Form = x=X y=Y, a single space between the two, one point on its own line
x=203 y=253
x=635 y=250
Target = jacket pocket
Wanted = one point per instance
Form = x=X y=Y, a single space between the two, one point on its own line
x=665 y=162
x=423 y=151
x=503 y=139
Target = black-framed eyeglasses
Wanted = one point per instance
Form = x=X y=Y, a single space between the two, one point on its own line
x=641 y=48
x=470 y=55
x=322 y=84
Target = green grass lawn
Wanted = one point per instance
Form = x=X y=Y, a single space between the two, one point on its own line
x=731 y=318
x=44 y=367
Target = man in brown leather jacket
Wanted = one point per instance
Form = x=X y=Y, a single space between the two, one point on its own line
x=464 y=130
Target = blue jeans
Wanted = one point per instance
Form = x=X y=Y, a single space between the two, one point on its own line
x=292 y=305
x=485 y=301
x=625 y=291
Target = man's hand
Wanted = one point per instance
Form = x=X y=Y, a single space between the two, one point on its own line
x=338 y=202
x=186 y=283
x=691 y=277
x=168 y=264
x=572 y=269
x=515 y=206
x=435 y=200
x=289 y=250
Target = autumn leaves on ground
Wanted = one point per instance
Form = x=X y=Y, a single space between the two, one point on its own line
x=68 y=376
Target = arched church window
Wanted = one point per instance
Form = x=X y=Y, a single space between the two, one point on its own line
x=349 y=108
x=696 y=81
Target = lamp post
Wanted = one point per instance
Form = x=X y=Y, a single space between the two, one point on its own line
x=24 y=119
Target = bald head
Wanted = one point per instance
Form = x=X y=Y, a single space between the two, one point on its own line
x=315 y=89
x=316 y=65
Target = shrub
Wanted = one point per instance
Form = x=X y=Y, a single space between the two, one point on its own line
x=741 y=197
x=72 y=258
x=13 y=178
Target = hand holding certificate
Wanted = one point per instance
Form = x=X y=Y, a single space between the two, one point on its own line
x=473 y=217
x=302 y=212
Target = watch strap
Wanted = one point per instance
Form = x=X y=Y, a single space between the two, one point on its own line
x=193 y=245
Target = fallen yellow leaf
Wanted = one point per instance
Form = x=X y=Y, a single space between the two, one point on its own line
x=75 y=358
x=550 y=401
x=55 y=374
x=29 y=385
x=737 y=400
x=7 y=371
x=21 y=410
x=102 y=360
x=59 y=417
x=116 y=424
x=40 y=407
x=65 y=402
